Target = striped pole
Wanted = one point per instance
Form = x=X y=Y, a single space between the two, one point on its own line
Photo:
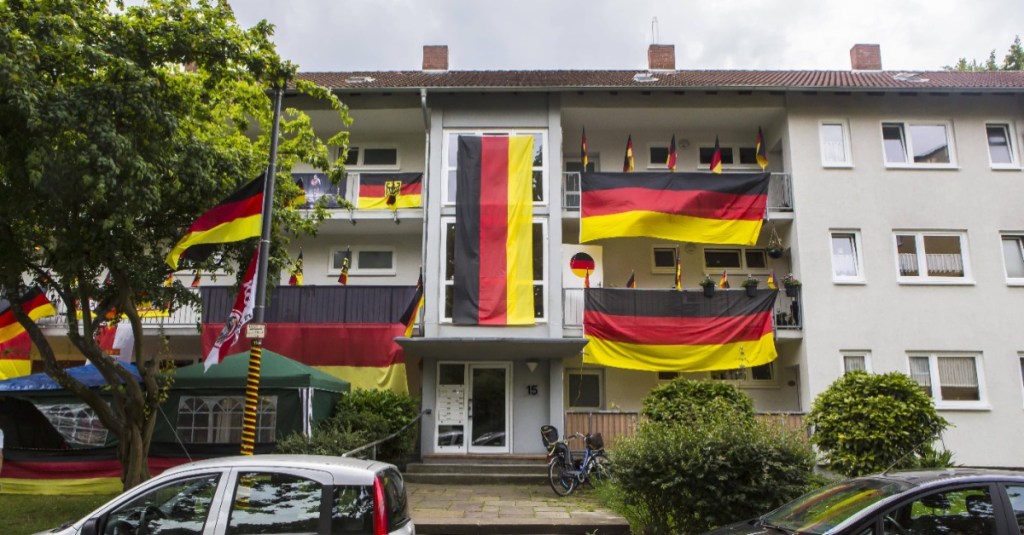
x=252 y=392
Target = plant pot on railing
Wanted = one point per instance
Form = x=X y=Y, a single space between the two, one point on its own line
x=750 y=285
x=708 y=286
x=792 y=285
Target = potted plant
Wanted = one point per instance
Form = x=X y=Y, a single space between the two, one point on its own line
x=774 y=248
x=750 y=283
x=792 y=285
x=708 y=284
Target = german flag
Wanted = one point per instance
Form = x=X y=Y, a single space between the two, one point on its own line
x=716 y=159
x=494 y=231
x=627 y=161
x=673 y=155
x=631 y=282
x=390 y=190
x=408 y=318
x=236 y=218
x=583 y=151
x=685 y=207
x=296 y=277
x=761 y=151
x=666 y=330
x=14 y=341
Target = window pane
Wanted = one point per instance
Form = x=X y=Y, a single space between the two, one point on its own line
x=854 y=363
x=962 y=510
x=658 y=156
x=930 y=143
x=538 y=252
x=380 y=156
x=1012 y=253
x=275 y=503
x=748 y=155
x=892 y=139
x=337 y=257
x=921 y=372
x=833 y=146
x=664 y=257
x=375 y=259
x=352 y=158
x=999 y=144
x=449 y=264
x=1016 y=494
x=722 y=258
x=180 y=507
x=755 y=258
x=537 y=183
x=942 y=256
x=844 y=255
x=706 y=152
x=538 y=300
x=353 y=509
x=761 y=373
x=538 y=150
x=906 y=250
x=958 y=378
x=585 y=390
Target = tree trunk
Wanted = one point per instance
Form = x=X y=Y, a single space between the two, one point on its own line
x=134 y=456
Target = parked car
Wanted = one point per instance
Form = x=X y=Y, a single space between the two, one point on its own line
x=259 y=494
x=955 y=502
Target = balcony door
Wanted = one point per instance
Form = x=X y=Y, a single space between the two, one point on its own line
x=474 y=407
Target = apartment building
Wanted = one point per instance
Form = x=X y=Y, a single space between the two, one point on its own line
x=893 y=197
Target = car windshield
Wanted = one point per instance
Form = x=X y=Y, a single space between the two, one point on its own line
x=825 y=508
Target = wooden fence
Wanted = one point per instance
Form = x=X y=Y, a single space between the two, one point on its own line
x=615 y=424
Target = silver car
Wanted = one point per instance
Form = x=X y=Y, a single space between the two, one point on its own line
x=259 y=494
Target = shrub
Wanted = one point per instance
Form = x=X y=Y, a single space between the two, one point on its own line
x=865 y=423
x=361 y=417
x=722 y=467
x=683 y=400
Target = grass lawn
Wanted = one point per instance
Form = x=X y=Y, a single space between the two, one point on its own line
x=29 y=513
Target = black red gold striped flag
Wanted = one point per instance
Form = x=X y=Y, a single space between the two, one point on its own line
x=390 y=190
x=412 y=311
x=631 y=282
x=14 y=342
x=234 y=219
x=673 y=155
x=679 y=271
x=684 y=207
x=724 y=281
x=584 y=157
x=627 y=162
x=761 y=151
x=716 y=159
x=666 y=330
x=494 y=231
x=296 y=276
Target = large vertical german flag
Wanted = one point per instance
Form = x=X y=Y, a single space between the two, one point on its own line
x=494 y=231
x=234 y=219
x=666 y=330
x=690 y=207
x=14 y=341
x=390 y=190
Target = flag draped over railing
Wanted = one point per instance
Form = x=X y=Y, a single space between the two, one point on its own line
x=390 y=190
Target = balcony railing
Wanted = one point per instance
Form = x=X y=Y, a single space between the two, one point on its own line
x=787 y=311
x=183 y=317
x=613 y=425
x=780 y=192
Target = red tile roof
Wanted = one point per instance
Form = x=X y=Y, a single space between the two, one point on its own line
x=1012 y=81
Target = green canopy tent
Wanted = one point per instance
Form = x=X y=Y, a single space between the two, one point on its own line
x=203 y=411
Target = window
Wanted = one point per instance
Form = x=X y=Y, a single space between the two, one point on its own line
x=571 y=186
x=218 y=420
x=953 y=381
x=539 y=151
x=740 y=258
x=738 y=157
x=364 y=261
x=763 y=374
x=846 y=261
x=539 y=284
x=1001 y=152
x=584 y=390
x=856 y=361
x=1013 y=257
x=372 y=158
x=657 y=157
x=933 y=257
x=835 y=144
x=663 y=259
x=275 y=503
x=917 y=144
x=180 y=507
x=962 y=510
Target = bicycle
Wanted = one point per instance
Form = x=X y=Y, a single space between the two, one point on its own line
x=566 y=474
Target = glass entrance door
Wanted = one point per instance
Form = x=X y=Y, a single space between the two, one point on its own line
x=474 y=408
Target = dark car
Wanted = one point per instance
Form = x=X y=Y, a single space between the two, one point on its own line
x=934 y=502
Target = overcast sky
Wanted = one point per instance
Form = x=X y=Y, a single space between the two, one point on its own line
x=352 y=35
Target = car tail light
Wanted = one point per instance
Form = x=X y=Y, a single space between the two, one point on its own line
x=380 y=510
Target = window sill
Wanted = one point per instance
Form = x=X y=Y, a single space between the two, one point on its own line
x=925 y=167
x=837 y=165
x=934 y=282
x=1007 y=168
x=973 y=407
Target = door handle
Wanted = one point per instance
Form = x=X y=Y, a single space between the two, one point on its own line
x=470 y=411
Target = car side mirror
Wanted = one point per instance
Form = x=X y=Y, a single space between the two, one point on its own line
x=91 y=527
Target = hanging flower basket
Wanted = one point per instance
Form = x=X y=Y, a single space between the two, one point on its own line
x=775 y=249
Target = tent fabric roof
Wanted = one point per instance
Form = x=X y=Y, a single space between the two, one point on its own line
x=88 y=375
x=276 y=371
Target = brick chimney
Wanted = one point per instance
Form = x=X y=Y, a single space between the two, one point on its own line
x=661 y=57
x=866 y=58
x=435 y=57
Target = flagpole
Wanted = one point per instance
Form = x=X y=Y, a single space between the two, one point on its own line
x=256 y=344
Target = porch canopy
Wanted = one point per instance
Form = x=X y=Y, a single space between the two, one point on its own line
x=492 y=348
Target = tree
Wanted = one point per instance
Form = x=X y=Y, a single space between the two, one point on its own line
x=118 y=127
x=866 y=423
x=1013 y=61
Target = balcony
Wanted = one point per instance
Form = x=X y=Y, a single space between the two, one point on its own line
x=780 y=192
x=184 y=320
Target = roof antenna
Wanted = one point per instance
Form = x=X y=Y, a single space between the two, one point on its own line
x=654 y=31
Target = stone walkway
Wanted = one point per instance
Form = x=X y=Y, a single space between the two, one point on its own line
x=495 y=509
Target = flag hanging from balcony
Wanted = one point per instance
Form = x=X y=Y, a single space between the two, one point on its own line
x=15 y=344
x=666 y=330
x=716 y=159
x=412 y=311
x=761 y=152
x=627 y=162
x=673 y=155
x=685 y=207
x=494 y=231
x=296 y=277
x=234 y=219
x=390 y=190
x=241 y=313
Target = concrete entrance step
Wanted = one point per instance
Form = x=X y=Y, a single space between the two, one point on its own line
x=478 y=470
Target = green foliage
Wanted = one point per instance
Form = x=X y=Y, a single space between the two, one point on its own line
x=865 y=423
x=684 y=400
x=689 y=477
x=1012 y=61
x=361 y=417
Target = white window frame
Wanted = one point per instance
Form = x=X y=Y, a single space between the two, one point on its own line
x=354 y=270
x=448 y=167
x=844 y=127
x=1019 y=238
x=655 y=268
x=908 y=144
x=746 y=381
x=843 y=355
x=743 y=268
x=361 y=150
x=858 y=278
x=219 y=430
x=936 y=384
x=599 y=373
x=924 y=278
x=446 y=283
x=1011 y=138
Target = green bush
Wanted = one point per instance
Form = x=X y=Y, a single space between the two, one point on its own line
x=683 y=400
x=722 y=467
x=865 y=423
x=361 y=417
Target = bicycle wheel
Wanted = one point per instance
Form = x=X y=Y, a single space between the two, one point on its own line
x=599 y=469
x=562 y=480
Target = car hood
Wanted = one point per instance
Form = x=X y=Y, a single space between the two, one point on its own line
x=750 y=527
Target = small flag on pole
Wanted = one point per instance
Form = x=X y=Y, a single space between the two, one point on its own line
x=197 y=279
x=673 y=155
x=169 y=281
x=627 y=162
x=346 y=261
x=412 y=311
x=716 y=159
x=724 y=281
x=771 y=281
x=586 y=280
x=296 y=278
x=631 y=283
x=583 y=151
x=679 y=271
x=761 y=151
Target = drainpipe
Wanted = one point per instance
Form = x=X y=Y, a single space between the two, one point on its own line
x=426 y=192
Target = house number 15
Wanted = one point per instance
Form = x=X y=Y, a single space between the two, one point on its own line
x=531 y=390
